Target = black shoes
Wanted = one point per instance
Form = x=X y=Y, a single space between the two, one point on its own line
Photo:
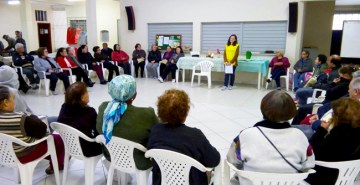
x=104 y=82
x=268 y=80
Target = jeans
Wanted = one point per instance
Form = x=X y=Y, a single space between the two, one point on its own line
x=232 y=78
x=298 y=78
x=152 y=69
x=169 y=68
x=30 y=72
x=303 y=94
x=54 y=78
x=138 y=65
x=111 y=68
x=276 y=74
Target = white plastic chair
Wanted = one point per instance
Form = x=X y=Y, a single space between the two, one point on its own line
x=285 y=77
x=175 y=167
x=195 y=54
x=71 y=140
x=314 y=99
x=46 y=83
x=71 y=76
x=348 y=170
x=316 y=108
x=205 y=70
x=8 y=157
x=260 y=178
x=122 y=159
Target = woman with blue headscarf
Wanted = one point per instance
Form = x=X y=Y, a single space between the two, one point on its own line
x=121 y=119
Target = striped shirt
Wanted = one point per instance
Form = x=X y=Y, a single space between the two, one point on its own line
x=14 y=124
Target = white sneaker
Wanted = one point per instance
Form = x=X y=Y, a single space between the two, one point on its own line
x=54 y=93
x=173 y=80
x=223 y=88
x=160 y=79
x=230 y=87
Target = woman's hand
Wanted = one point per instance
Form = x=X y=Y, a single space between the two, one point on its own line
x=153 y=61
x=51 y=71
x=325 y=125
x=313 y=118
x=336 y=80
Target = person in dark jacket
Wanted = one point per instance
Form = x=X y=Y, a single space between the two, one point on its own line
x=335 y=90
x=24 y=60
x=319 y=69
x=174 y=135
x=85 y=57
x=171 y=65
x=19 y=39
x=138 y=57
x=106 y=51
x=102 y=58
x=11 y=43
x=323 y=80
x=301 y=67
x=76 y=113
x=154 y=59
x=341 y=143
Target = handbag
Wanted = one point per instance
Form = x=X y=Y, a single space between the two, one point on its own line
x=299 y=171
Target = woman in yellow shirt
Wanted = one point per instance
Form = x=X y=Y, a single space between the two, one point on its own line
x=231 y=54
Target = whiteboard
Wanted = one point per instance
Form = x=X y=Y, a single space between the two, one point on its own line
x=350 y=45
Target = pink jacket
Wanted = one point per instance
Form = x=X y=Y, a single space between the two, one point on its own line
x=120 y=56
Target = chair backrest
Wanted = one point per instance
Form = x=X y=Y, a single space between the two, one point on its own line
x=348 y=170
x=122 y=153
x=7 y=155
x=195 y=53
x=260 y=178
x=205 y=66
x=174 y=167
x=71 y=136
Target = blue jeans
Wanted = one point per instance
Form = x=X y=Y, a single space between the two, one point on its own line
x=303 y=94
x=298 y=78
x=276 y=74
x=231 y=76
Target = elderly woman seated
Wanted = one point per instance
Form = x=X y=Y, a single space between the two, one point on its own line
x=27 y=128
x=274 y=135
x=279 y=65
x=173 y=134
x=121 y=118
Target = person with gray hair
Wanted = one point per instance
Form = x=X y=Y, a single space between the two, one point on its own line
x=11 y=43
x=24 y=60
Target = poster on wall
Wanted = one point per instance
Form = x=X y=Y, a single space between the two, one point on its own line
x=164 y=40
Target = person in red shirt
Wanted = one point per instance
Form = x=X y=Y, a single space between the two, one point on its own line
x=121 y=58
x=65 y=62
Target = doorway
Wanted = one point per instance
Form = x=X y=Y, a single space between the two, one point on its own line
x=44 y=33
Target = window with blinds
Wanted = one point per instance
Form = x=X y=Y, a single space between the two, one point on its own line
x=183 y=29
x=252 y=36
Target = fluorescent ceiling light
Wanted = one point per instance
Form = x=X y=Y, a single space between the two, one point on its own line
x=13 y=2
x=74 y=0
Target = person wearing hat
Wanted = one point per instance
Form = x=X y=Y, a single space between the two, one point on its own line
x=120 y=118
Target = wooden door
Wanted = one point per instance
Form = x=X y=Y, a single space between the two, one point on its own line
x=44 y=33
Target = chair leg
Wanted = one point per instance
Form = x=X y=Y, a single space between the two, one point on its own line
x=209 y=81
x=192 y=79
x=110 y=175
x=51 y=148
x=177 y=76
x=199 y=79
x=90 y=165
x=66 y=164
x=287 y=84
x=123 y=177
x=47 y=84
x=26 y=174
x=141 y=177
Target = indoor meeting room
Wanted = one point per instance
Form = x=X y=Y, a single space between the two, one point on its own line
x=190 y=92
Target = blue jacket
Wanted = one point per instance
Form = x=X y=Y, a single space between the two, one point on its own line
x=41 y=64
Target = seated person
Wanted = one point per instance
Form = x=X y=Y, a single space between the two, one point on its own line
x=154 y=58
x=279 y=65
x=1 y=47
x=29 y=129
x=121 y=58
x=65 y=62
x=52 y=70
x=72 y=56
x=107 y=51
x=335 y=90
x=85 y=57
x=20 y=82
x=320 y=67
x=76 y=113
x=166 y=58
x=277 y=107
x=337 y=140
x=122 y=119
x=322 y=81
x=102 y=58
x=138 y=57
x=301 y=67
x=174 y=135
x=171 y=66
x=24 y=60
x=9 y=78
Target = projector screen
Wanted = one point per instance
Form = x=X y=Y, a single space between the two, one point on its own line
x=350 y=45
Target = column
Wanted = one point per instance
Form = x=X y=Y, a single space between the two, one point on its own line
x=27 y=27
x=91 y=23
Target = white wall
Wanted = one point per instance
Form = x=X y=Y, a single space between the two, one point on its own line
x=162 y=11
x=9 y=20
x=108 y=12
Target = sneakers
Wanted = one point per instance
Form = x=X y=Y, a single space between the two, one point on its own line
x=278 y=88
x=224 y=88
x=230 y=87
x=173 y=80
x=34 y=86
x=160 y=79
x=54 y=93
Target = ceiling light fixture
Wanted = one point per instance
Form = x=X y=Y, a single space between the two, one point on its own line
x=16 y=2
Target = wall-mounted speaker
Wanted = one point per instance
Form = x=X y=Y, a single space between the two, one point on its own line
x=293 y=17
x=131 y=17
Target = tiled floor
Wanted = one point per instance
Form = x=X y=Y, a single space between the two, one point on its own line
x=219 y=114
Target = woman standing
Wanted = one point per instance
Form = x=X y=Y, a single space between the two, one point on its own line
x=138 y=57
x=231 y=54
x=52 y=70
x=279 y=65
x=171 y=66
x=121 y=58
x=65 y=62
x=154 y=58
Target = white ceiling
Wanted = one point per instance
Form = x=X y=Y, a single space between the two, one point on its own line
x=347 y=2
